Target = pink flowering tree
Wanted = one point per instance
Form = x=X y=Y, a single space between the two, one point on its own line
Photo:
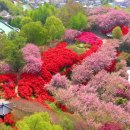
x=110 y=85
x=108 y=21
x=31 y=49
x=71 y=34
x=58 y=81
x=128 y=107
x=99 y=11
x=111 y=126
x=94 y=63
x=86 y=99
x=32 y=57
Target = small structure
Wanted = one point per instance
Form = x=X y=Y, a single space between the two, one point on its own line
x=109 y=35
x=5 y=107
x=6 y=28
x=36 y=3
x=121 y=3
x=5 y=15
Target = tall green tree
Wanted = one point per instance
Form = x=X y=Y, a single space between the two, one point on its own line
x=11 y=51
x=55 y=28
x=3 y=41
x=70 y=9
x=25 y=20
x=17 y=39
x=42 y=12
x=12 y=55
x=16 y=22
x=34 y=32
x=79 y=21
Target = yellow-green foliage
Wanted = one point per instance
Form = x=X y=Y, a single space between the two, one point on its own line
x=127 y=9
x=120 y=100
x=79 y=48
x=117 y=33
x=4 y=127
x=38 y=121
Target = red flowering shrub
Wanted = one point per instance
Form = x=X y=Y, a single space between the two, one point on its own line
x=111 y=126
x=25 y=90
x=7 y=78
x=8 y=119
x=61 y=59
x=62 y=107
x=32 y=85
x=125 y=30
x=88 y=37
x=9 y=93
x=46 y=75
x=7 y=82
x=45 y=97
x=57 y=59
x=1 y=120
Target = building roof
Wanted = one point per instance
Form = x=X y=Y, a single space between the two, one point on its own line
x=6 y=28
x=4 y=13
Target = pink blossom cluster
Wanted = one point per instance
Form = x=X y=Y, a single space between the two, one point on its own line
x=84 y=99
x=4 y=67
x=128 y=107
x=71 y=34
x=78 y=98
x=117 y=113
x=110 y=85
x=111 y=126
x=99 y=10
x=59 y=81
x=94 y=63
x=32 y=58
x=110 y=20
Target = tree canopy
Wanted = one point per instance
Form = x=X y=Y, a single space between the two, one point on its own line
x=34 y=32
x=55 y=27
x=79 y=21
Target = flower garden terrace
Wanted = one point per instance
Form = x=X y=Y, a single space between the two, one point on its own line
x=77 y=76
